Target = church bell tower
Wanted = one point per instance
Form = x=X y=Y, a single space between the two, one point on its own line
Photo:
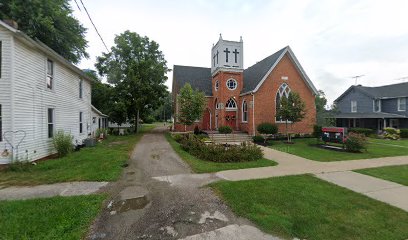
x=227 y=55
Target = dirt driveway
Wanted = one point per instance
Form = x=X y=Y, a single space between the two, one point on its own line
x=158 y=198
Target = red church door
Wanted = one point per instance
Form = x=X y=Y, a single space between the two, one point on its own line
x=206 y=120
x=230 y=119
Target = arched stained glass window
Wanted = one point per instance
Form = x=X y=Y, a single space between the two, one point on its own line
x=283 y=91
x=231 y=104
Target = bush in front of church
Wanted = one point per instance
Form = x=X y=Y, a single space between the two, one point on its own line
x=220 y=152
x=225 y=129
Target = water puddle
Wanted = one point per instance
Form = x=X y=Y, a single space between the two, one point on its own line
x=130 y=204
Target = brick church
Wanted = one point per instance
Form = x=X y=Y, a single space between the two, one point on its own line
x=244 y=98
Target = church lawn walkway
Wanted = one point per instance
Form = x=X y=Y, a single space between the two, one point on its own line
x=101 y=163
x=306 y=207
x=201 y=166
x=398 y=174
x=307 y=148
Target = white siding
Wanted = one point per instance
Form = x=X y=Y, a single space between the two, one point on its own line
x=31 y=99
x=5 y=85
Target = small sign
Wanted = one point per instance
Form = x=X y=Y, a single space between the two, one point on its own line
x=285 y=78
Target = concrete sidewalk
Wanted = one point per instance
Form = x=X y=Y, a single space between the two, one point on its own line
x=51 y=190
x=293 y=165
x=385 y=191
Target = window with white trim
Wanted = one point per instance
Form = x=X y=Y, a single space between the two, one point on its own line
x=81 y=125
x=244 y=111
x=50 y=74
x=402 y=104
x=217 y=85
x=51 y=122
x=377 y=105
x=232 y=84
x=283 y=91
x=231 y=104
x=353 y=106
x=81 y=83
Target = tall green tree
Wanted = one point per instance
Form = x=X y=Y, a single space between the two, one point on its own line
x=164 y=111
x=191 y=104
x=103 y=94
x=51 y=22
x=137 y=69
x=291 y=110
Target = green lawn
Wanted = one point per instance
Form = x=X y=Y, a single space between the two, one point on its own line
x=307 y=148
x=401 y=142
x=101 y=163
x=398 y=174
x=48 y=218
x=309 y=208
x=201 y=166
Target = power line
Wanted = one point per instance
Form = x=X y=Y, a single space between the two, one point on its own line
x=89 y=16
x=78 y=5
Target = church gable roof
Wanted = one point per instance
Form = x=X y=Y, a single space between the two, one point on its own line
x=198 y=77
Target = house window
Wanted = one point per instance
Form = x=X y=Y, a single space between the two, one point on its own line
x=81 y=82
x=283 y=91
x=402 y=104
x=1 y=125
x=353 y=106
x=80 y=122
x=216 y=104
x=1 y=54
x=377 y=105
x=217 y=85
x=244 y=111
x=94 y=120
x=50 y=74
x=231 y=104
x=232 y=84
x=51 y=122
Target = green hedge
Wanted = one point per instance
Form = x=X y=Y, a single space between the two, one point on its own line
x=404 y=133
x=317 y=131
x=365 y=131
x=225 y=129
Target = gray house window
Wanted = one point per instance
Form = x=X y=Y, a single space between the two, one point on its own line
x=81 y=83
x=50 y=74
x=1 y=126
x=80 y=122
x=377 y=105
x=353 y=106
x=51 y=122
x=402 y=104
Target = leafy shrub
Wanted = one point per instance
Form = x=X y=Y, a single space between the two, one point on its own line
x=100 y=131
x=355 y=142
x=317 y=131
x=149 y=119
x=225 y=129
x=220 y=152
x=258 y=139
x=63 y=143
x=267 y=128
x=19 y=166
x=365 y=131
x=392 y=133
x=177 y=137
x=404 y=133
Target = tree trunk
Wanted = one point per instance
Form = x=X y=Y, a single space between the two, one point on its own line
x=287 y=134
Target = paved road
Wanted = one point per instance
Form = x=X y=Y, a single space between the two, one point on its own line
x=159 y=198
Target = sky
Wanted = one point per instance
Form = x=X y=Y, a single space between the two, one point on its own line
x=333 y=40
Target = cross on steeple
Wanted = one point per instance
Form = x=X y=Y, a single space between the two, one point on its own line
x=236 y=55
x=226 y=54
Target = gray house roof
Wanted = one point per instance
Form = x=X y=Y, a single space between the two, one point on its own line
x=387 y=91
x=369 y=115
x=200 y=78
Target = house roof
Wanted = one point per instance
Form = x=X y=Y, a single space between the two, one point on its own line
x=386 y=91
x=369 y=115
x=45 y=49
x=98 y=112
x=200 y=78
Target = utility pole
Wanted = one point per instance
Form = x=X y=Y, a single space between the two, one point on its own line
x=356 y=78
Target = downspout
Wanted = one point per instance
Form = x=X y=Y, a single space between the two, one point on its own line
x=253 y=113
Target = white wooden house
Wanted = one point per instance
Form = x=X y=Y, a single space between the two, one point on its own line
x=99 y=120
x=40 y=94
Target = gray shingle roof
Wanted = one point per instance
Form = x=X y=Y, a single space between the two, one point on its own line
x=387 y=91
x=198 y=77
x=254 y=74
x=369 y=115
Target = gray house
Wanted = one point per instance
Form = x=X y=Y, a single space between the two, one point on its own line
x=373 y=107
